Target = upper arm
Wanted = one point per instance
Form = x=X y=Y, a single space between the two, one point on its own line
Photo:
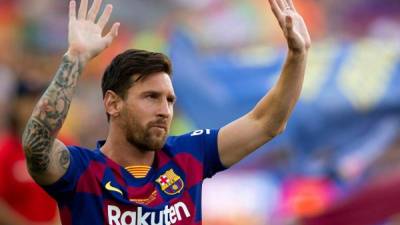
x=241 y=137
x=47 y=158
x=53 y=163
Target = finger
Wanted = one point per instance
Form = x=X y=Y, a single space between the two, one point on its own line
x=83 y=9
x=72 y=10
x=289 y=24
x=276 y=9
x=280 y=4
x=112 y=34
x=291 y=5
x=285 y=4
x=94 y=10
x=105 y=16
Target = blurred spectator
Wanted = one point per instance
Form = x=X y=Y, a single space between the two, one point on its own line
x=6 y=89
x=372 y=202
x=22 y=202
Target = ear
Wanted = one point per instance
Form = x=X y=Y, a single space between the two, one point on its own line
x=112 y=103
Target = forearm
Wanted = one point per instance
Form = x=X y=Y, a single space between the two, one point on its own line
x=268 y=118
x=274 y=109
x=49 y=115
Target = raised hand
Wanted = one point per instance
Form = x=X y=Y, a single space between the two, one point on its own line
x=85 y=34
x=292 y=24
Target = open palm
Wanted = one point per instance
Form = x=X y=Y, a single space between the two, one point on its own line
x=292 y=24
x=85 y=34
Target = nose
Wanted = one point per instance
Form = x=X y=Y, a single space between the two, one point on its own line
x=165 y=109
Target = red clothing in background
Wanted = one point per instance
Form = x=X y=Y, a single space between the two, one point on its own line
x=17 y=188
x=374 y=203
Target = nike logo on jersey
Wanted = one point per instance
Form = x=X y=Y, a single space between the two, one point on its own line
x=111 y=188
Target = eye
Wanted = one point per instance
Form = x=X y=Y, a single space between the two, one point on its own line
x=152 y=96
x=171 y=100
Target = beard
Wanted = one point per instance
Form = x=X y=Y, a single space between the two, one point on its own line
x=145 y=138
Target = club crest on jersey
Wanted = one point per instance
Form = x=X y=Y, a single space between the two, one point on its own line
x=170 y=182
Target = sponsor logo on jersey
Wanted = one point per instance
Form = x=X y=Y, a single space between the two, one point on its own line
x=145 y=201
x=170 y=182
x=169 y=215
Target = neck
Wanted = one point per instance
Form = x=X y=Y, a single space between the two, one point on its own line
x=123 y=152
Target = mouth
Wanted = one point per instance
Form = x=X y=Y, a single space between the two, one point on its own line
x=160 y=126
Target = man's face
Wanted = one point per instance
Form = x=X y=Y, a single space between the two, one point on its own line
x=148 y=110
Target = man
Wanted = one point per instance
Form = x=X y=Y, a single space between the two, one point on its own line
x=138 y=175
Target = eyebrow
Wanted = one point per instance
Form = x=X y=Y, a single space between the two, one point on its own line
x=173 y=96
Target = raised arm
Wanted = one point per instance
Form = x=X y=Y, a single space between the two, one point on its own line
x=269 y=117
x=47 y=157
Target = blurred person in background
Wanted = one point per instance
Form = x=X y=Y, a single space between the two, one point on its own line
x=371 y=203
x=137 y=173
x=22 y=201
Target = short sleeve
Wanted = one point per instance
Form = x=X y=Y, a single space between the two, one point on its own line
x=65 y=186
x=203 y=145
x=212 y=162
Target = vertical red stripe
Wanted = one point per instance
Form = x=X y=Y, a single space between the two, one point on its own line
x=116 y=169
x=65 y=215
x=89 y=180
x=192 y=168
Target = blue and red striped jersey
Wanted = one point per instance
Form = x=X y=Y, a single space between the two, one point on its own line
x=97 y=190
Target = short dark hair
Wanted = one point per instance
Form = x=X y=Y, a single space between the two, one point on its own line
x=117 y=76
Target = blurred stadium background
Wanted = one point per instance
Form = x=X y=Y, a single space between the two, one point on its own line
x=344 y=133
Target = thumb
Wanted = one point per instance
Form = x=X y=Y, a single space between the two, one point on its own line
x=112 y=34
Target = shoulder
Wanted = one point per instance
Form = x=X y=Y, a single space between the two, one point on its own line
x=79 y=150
x=192 y=142
x=83 y=154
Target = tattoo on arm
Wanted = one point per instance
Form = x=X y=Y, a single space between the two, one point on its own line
x=37 y=142
x=48 y=117
x=64 y=159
